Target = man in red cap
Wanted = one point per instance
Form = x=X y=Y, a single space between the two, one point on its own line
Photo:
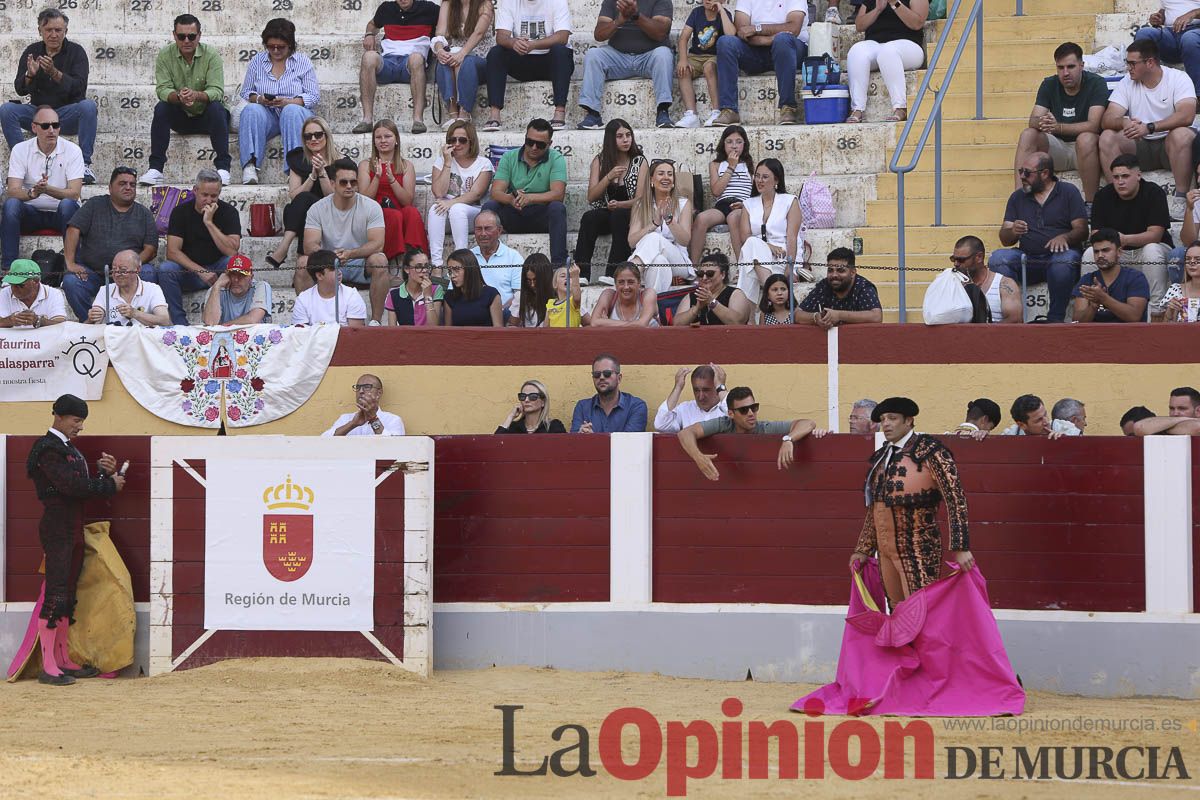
x=909 y=478
x=236 y=298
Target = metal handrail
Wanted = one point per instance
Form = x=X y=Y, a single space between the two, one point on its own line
x=934 y=122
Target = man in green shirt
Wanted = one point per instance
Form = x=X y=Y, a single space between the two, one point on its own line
x=190 y=82
x=1065 y=121
x=743 y=418
x=529 y=187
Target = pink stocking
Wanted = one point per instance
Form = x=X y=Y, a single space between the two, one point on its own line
x=62 y=651
x=47 y=638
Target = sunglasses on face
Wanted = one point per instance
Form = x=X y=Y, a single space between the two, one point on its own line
x=1025 y=173
x=275 y=47
x=707 y=273
x=959 y=259
x=48 y=125
x=535 y=144
x=529 y=396
x=187 y=37
x=314 y=135
x=602 y=373
x=347 y=182
x=743 y=410
x=364 y=387
x=465 y=140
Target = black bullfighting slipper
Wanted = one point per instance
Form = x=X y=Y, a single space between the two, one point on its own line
x=55 y=680
x=86 y=671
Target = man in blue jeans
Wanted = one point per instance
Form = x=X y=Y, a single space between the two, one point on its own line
x=1175 y=28
x=529 y=188
x=1046 y=220
x=45 y=178
x=637 y=33
x=771 y=34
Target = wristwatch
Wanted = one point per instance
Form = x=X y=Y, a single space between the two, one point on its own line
x=721 y=388
x=758 y=28
x=787 y=437
x=376 y=425
x=1151 y=127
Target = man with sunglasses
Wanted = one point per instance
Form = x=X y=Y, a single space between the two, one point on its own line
x=842 y=297
x=45 y=178
x=609 y=410
x=189 y=80
x=53 y=72
x=743 y=419
x=1001 y=292
x=367 y=419
x=529 y=188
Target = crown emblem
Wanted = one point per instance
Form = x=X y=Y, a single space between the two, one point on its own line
x=288 y=495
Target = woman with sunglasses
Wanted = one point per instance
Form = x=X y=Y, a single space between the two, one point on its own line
x=391 y=179
x=308 y=181
x=464 y=28
x=629 y=304
x=1181 y=303
x=713 y=301
x=618 y=177
x=532 y=412
x=661 y=228
x=730 y=182
x=281 y=89
x=418 y=301
x=770 y=229
x=774 y=308
x=461 y=177
x=537 y=291
x=470 y=302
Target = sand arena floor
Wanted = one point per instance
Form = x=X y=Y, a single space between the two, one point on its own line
x=322 y=728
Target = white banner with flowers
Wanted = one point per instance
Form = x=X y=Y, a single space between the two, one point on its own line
x=254 y=373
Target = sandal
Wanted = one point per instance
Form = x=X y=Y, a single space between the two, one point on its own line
x=275 y=264
x=855 y=117
x=491 y=125
x=558 y=123
x=897 y=115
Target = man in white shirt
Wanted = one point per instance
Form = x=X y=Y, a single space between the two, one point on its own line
x=129 y=300
x=1150 y=114
x=771 y=34
x=531 y=45
x=708 y=386
x=1175 y=29
x=25 y=302
x=368 y=419
x=501 y=264
x=45 y=177
x=317 y=304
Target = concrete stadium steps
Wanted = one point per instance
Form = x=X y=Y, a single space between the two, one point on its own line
x=1071 y=26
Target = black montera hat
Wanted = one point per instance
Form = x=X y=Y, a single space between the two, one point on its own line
x=895 y=405
x=70 y=406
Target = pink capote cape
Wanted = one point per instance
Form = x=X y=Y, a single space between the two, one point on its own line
x=939 y=654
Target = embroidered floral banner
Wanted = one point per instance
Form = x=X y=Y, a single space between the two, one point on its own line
x=256 y=373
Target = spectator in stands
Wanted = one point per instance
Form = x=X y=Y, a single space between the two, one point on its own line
x=1065 y=121
x=368 y=419
x=617 y=179
x=1112 y=293
x=660 y=228
x=770 y=229
x=629 y=303
x=609 y=410
x=351 y=225
x=531 y=45
x=1001 y=292
x=528 y=190
x=558 y=313
x=861 y=423
x=502 y=266
x=328 y=299
x=462 y=41
x=893 y=41
x=391 y=179
x=418 y=301
x=1184 y=402
x=983 y=415
x=407 y=27
x=532 y=412
x=25 y=302
x=1031 y=419
x=461 y=178
x=713 y=301
x=697 y=49
x=1046 y=220
x=638 y=37
x=742 y=418
x=45 y=177
x=1167 y=426
x=203 y=234
x=1137 y=209
x=129 y=300
x=1133 y=416
x=101 y=228
x=842 y=297
x=309 y=179
x=708 y=387
x=537 y=288
x=775 y=307
x=730 y=182
x=235 y=298
x=470 y=302
x=189 y=80
x=1181 y=303
x=53 y=72
x=770 y=35
x=1150 y=114
x=282 y=91
x=1173 y=29
x=1069 y=416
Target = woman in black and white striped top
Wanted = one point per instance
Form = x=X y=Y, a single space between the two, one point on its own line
x=729 y=181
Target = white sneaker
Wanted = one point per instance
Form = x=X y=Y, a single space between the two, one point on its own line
x=225 y=177
x=151 y=177
x=1178 y=207
x=712 y=118
x=607 y=280
x=688 y=120
x=249 y=175
x=374 y=323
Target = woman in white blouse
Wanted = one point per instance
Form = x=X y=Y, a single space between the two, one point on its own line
x=461 y=177
x=661 y=228
x=770 y=229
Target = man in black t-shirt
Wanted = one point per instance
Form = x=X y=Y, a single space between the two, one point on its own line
x=1065 y=121
x=201 y=237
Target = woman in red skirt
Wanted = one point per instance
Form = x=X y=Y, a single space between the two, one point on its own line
x=391 y=180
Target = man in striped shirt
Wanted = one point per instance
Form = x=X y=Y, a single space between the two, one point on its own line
x=407 y=27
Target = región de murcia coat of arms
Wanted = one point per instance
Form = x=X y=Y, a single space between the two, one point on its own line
x=288 y=537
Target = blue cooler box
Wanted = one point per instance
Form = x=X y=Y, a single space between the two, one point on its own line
x=831 y=105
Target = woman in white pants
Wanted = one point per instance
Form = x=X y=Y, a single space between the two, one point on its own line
x=894 y=42
x=461 y=178
x=770 y=229
x=660 y=229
